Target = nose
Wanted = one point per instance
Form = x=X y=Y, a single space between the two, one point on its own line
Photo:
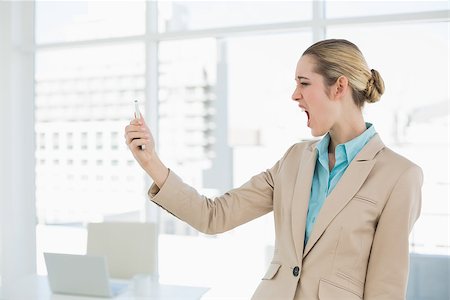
x=296 y=96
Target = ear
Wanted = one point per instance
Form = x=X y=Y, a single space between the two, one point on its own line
x=340 y=87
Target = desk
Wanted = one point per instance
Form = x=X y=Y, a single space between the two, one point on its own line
x=36 y=287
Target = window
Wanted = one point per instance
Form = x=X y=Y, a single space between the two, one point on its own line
x=55 y=141
x=99 y=140
x=84 y=140
x=87 y=20
x=114 y=140
x=83 y=100
x=186 y=105
x=69 y=140
x=41 y=141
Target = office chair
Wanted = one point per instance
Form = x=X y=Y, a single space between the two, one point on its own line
x=130 y=248
x=428 y=277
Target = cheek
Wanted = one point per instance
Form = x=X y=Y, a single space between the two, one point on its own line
x=324 y=114
x=321 y=107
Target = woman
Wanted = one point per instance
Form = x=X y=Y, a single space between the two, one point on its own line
x=343 y=206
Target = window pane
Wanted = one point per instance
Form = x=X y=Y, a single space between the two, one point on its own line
x=84 y=99
x=193 y=15
x=263 y=120
x=413 y=115
x=62 y=21
x=186 y=111
x=83 y=103
x=340 y=9
x=261 y=79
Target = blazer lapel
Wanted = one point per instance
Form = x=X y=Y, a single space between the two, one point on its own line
x=302 y=190
x=347 y=187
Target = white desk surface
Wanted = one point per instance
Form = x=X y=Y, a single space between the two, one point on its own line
x=36 y=287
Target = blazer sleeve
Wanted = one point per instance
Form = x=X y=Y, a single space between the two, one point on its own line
x=217 y=215
x=388 y=268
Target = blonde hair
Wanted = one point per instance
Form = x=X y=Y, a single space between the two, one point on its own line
x=337 y=57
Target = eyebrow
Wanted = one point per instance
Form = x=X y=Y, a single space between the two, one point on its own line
x=301 y=77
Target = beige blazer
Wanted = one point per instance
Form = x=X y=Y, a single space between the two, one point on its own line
x=359 y=246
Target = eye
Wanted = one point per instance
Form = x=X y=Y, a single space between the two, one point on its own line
x=304 y=83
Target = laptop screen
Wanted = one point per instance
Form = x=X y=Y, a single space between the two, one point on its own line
x=78 y=274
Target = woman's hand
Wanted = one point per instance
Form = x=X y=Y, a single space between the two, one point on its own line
x=138 y=134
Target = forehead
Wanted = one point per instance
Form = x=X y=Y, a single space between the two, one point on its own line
x=305 y=67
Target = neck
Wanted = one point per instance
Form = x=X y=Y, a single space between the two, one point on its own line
x=345 y=131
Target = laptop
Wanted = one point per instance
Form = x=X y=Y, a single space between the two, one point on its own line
x=80 y=275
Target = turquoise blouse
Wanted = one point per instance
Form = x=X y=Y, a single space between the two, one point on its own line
x=324 y=181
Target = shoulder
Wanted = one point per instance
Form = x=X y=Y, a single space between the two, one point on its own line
x=300 y=147
x=398 y=166
x=396 y=160
x=297 y=152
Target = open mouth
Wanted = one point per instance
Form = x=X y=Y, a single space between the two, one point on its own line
x=307 y=115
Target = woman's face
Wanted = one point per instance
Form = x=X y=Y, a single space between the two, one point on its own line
x=310 y=93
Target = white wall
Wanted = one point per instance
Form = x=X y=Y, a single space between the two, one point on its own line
x=17 y=143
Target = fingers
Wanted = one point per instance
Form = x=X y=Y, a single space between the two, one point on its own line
x=136 y=122
x=130 y=136
x=140 y=121
x=137 y=143
x=137 y=134
x=134 y=128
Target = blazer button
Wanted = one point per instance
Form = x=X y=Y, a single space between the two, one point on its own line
x=296 y=271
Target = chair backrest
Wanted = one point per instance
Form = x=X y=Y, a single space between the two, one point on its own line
x=429 y=276
x=130 y=248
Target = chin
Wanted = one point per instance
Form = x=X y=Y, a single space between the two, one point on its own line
x=318 y=133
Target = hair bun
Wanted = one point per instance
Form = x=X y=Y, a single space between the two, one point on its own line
x=375 y=87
